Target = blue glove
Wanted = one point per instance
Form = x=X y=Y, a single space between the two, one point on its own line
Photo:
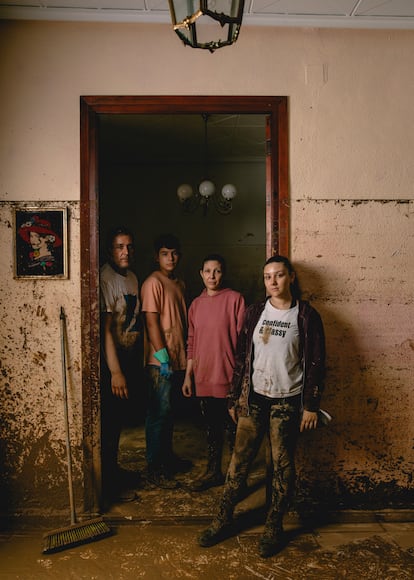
x=164 y=359
x=165 y=370
x=162 y=355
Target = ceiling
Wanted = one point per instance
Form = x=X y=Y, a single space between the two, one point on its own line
x=314 y=13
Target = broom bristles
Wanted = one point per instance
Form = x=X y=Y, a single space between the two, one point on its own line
x=75 y=534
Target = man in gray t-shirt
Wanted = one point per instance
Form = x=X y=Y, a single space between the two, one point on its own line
x=122 y=358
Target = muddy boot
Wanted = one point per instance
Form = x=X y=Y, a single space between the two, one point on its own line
x=206 y=481
x=273 y=539
x=220 y=528
x=159 y=477
x=213 y=476
x=271 y=543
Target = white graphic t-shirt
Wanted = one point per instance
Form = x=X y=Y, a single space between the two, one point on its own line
x=277 y=371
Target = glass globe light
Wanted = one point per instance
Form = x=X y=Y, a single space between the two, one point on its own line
x=193 y=20
x=229 y=191
x=206 y=188
x=184 y=191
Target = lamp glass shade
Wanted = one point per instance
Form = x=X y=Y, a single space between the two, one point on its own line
x=206 y=188
x=184 y=191
x=229 y=191
x=208 y=24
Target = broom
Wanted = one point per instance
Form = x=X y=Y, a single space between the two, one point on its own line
x=75 y=533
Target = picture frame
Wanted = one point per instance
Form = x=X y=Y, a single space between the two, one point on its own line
x=41 y=242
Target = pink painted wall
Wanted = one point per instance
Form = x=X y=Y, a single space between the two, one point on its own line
x=351 y=195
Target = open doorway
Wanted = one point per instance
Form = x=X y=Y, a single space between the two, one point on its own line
x=100 y=183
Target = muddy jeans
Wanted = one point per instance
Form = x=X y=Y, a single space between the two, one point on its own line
x=159 y=422
x=279 y=418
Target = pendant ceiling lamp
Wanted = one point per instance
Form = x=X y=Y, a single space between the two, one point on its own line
x=208 y=24
x=206 y=193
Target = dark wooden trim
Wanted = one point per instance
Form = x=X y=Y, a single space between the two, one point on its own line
x=89 y=219
x=271 y=192
x=277 y=225
x=183 y=104
x=281 y=201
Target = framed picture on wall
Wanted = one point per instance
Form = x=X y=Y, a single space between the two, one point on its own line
x=40 y=242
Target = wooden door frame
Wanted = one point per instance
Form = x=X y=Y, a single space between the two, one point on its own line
x=277 y=226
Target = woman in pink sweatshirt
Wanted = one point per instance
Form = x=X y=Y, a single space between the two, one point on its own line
x=214 y=322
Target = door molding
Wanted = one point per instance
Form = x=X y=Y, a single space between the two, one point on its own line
x=277 y=226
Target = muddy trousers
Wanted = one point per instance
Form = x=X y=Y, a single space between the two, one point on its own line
x=219 y=426
x=279 y=420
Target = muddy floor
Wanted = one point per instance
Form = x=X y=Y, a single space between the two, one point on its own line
x=147 y=550
x=155 y=534
x=166 y=505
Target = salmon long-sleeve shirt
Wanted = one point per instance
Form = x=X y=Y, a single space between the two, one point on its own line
x=214 y=323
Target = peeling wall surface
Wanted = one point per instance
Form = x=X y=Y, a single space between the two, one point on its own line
x=351 y=221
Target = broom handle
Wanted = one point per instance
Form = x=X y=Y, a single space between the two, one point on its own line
x=65 y=405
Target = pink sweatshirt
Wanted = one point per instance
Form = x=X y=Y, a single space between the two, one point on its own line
x=214 y=323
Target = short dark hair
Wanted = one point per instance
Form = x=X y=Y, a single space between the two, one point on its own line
x=294 y=286
x=167 y=241
x=113 y=233
x=216 y=258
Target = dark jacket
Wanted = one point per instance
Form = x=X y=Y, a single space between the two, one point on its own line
x=311 y=352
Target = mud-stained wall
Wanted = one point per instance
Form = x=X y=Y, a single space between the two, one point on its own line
x=353 y=266
x=33 y=435
x=351 y=193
